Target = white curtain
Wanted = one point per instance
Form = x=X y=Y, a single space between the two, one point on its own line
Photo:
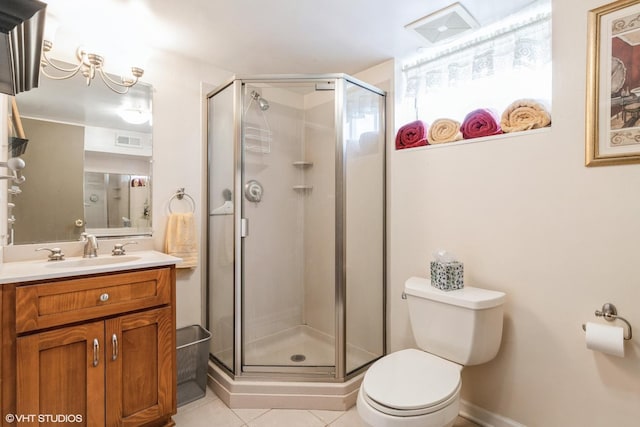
x=506 y=62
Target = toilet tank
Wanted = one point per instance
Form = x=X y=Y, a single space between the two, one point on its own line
x=463 y=325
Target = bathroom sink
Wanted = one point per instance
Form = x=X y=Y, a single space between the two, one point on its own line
x=92 y=262
x=40 y=269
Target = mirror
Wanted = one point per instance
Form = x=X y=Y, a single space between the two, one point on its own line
x=114 y=201
x=88 y=162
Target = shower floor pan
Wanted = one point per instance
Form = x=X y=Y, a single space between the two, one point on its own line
x=278 y=350
x=285 y=348
x=281 y=348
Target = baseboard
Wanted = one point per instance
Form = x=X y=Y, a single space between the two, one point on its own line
x=485 y=418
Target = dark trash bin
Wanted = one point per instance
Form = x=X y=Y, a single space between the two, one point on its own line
x=192 y=346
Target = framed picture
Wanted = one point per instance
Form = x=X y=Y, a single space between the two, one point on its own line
x=613 y=84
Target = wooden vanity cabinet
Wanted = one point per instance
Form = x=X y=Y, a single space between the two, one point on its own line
x=97 y=348
x=55 y=375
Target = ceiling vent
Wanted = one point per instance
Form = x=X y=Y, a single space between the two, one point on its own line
x=128 y=141
x=443 y=25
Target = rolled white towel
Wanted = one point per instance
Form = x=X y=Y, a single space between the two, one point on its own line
x=444 y=130
x=524 y=114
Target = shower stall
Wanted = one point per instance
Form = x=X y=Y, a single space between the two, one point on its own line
x=296 y=230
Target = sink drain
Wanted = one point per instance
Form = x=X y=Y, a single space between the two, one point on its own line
x=298 y=358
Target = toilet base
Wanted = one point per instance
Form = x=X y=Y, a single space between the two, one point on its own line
x=444 y=417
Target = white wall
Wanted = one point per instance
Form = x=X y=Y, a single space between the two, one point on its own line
x=178 y=150
x=522 y=213
x=179 y=134
x=526 y=217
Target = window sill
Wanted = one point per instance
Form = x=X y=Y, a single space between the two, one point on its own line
x=481 y=139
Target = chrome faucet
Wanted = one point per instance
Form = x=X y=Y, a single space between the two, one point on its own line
x=55 y=255
x=90 y=245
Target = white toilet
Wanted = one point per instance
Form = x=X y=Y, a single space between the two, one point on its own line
x=421 y=388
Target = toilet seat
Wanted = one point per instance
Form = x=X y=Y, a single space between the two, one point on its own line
x=410 y=383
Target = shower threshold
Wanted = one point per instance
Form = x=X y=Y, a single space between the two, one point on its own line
x=260 y=394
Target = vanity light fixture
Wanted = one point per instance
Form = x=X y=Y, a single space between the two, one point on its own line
x=89 y=64
x=134 y=116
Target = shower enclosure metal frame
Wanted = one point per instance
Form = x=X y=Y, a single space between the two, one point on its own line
x=290 y=373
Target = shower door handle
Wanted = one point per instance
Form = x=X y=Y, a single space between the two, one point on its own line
x=244 y=227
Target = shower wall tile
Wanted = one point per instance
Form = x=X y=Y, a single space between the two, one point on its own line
x=273 y=268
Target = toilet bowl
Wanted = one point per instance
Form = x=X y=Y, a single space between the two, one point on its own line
x=421 y=387
x=410 y=388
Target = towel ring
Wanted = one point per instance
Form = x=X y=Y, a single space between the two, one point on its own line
x=180 y=195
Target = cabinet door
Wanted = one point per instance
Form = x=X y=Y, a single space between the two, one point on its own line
x=140 y=368
x=60 y=373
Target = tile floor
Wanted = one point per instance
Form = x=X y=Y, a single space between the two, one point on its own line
x=212 y=412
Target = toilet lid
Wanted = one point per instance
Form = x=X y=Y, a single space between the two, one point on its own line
x=411 y=379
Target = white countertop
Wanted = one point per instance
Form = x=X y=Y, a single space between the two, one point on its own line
x=41 y=269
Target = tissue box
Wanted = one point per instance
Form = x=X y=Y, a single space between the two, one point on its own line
x=447 y=275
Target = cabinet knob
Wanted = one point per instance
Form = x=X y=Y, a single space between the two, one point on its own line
x=104 y=297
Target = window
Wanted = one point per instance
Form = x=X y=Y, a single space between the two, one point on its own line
x=493 y=67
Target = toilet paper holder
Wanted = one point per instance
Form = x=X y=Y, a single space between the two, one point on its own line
x=610 y=313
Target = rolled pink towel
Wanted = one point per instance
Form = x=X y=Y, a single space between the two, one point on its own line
x=411 y=135
x=480 y=122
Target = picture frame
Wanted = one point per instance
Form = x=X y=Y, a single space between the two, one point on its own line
x=613 y=85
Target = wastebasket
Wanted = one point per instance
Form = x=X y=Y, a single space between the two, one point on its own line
x=192 y=350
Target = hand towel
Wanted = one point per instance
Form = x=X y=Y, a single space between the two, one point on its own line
x=412 y=135
x=480 y=122
x=444 y=130
x=180 y=240
x=524 y=114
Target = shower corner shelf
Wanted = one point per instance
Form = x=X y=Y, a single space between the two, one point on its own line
x=302 y=187
x=302 y=164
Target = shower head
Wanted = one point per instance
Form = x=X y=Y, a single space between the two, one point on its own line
x=262 y=103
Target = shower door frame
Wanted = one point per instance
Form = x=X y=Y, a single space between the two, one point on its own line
x=336 y=373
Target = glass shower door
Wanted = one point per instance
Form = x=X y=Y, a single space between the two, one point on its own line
x=288 y=243
x=221 y=247
x=364 y=159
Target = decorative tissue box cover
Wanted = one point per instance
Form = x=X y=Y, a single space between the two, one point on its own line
x=447 y=275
